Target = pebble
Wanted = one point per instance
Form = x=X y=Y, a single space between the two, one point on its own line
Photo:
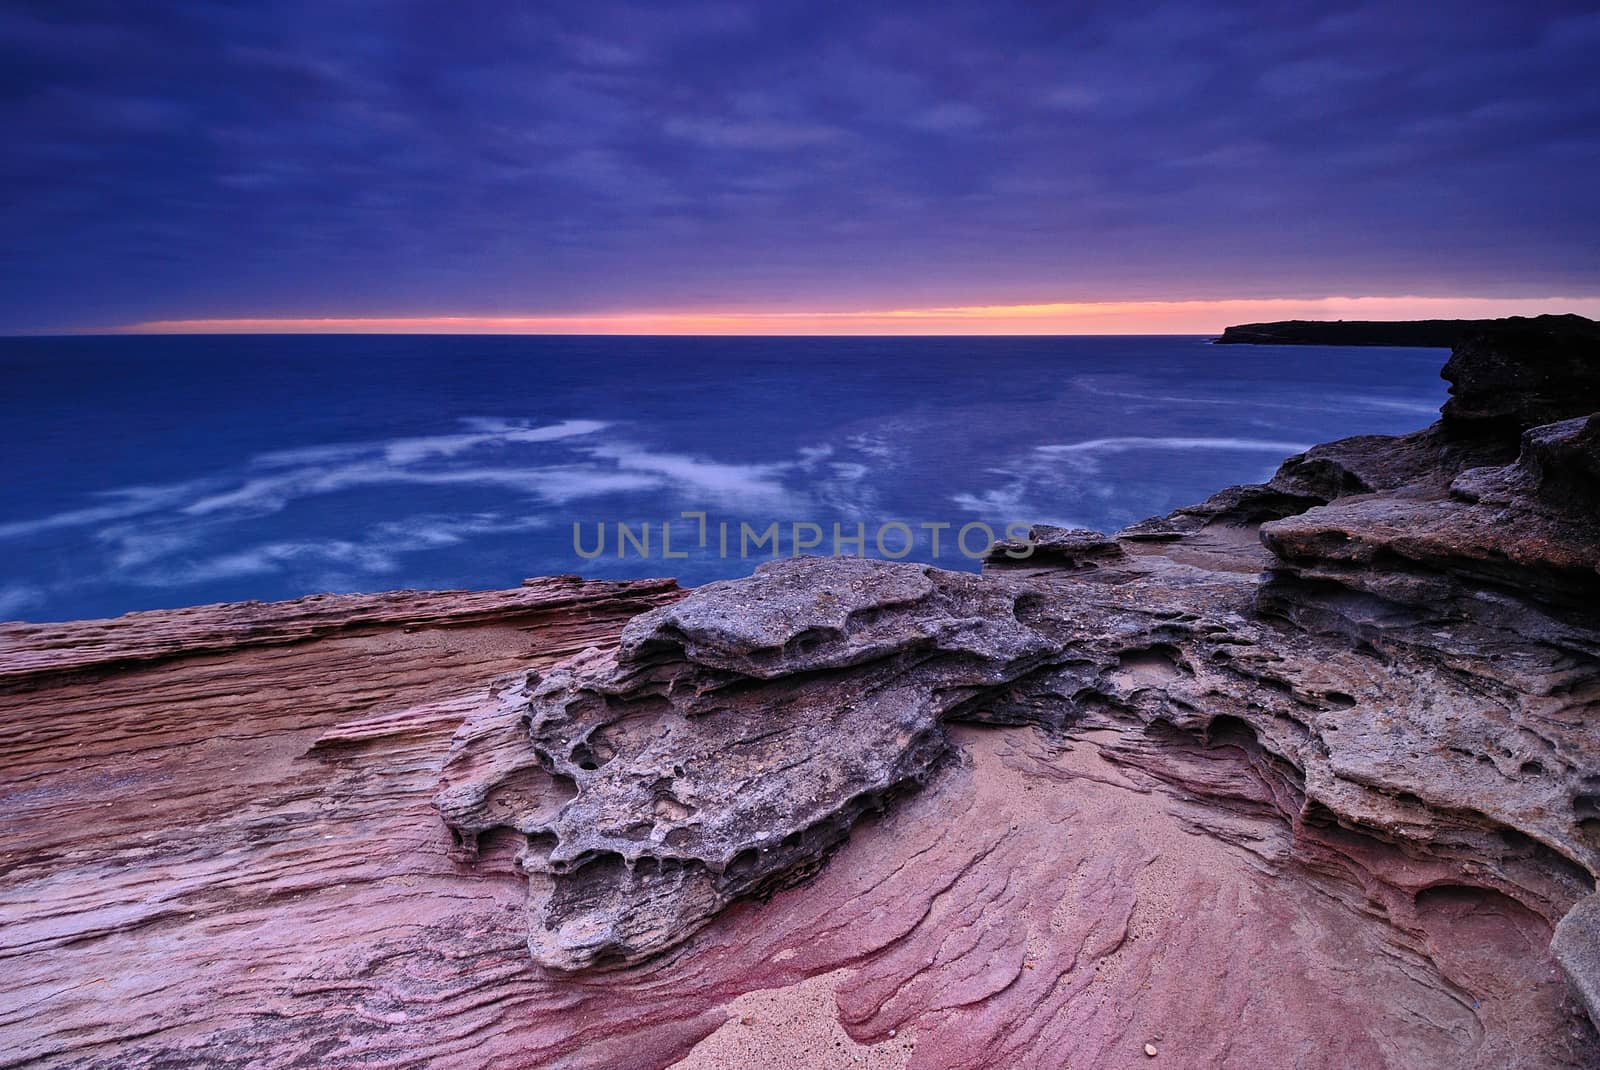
x=1151 y=1050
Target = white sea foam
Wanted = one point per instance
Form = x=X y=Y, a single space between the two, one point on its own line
x=119 y=504
x=266 y=558
x=704 y=480
x=1136 y=442
x=1009 y=505
x=16 y=597
x=413 y=449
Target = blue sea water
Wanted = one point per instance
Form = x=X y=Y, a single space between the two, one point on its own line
x=148 y=472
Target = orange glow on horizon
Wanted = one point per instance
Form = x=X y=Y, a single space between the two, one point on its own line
x=1089 y=317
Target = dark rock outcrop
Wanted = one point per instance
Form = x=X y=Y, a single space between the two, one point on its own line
x=1435 y=334
x=1519 y=373
x=1432 y=334
x=1506 y=377
x=1061 y=547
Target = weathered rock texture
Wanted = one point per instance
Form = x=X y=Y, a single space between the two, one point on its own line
x=729 y=743
x=1306 y=775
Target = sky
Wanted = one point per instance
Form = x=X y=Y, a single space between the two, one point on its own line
x=781 y=167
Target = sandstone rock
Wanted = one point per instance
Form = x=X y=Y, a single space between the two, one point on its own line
x=1506 y=376
x=670 y=781
x=1562 y=464
x=1528 y=527
x=1576 y=947
x=1055 y=547
x=33 y=652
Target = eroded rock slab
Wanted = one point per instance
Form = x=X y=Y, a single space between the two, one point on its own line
x=728 y=745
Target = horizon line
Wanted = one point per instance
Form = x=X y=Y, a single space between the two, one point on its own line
x=1180 y=317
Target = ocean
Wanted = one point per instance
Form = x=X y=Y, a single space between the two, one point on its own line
x=154 y=472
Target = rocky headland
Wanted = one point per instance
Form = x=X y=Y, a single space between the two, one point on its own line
x=1437 y=334
x=1304 y=775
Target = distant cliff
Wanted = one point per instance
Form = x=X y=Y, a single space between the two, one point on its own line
x=1440 y=334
